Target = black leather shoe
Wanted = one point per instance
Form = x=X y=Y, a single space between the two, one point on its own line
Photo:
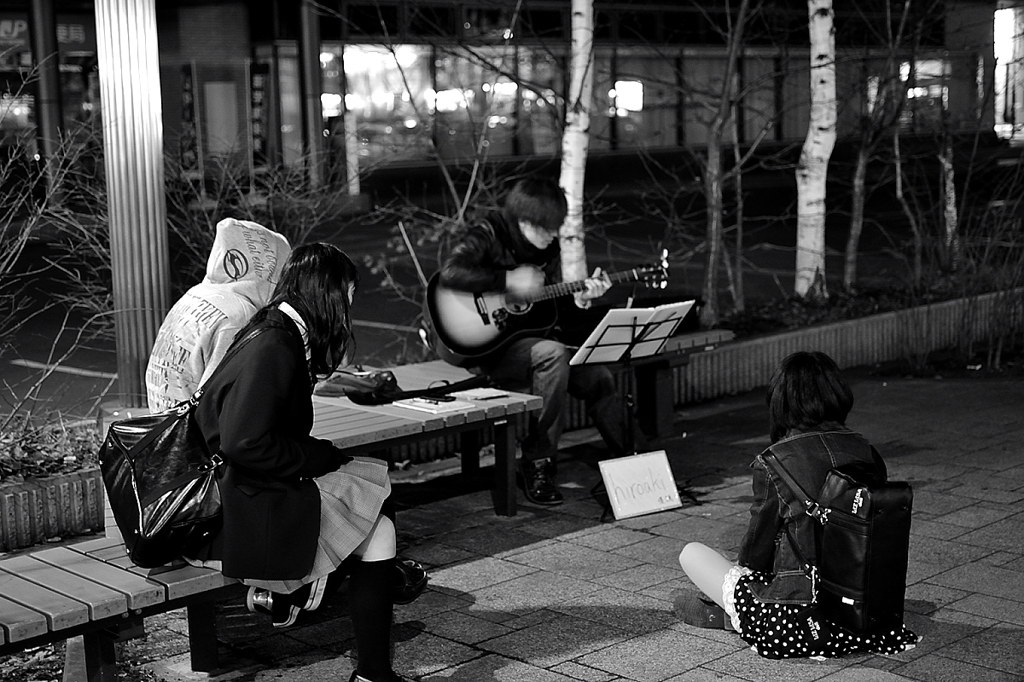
x=700 y=612
x=282 y=613
x=410 y=581
x=537 y=484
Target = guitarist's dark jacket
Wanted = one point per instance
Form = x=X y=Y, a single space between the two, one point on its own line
x=490 y=248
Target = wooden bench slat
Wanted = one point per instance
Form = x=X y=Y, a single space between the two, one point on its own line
x=102 y=601
x=60 y=611
x=19 y=622
x=178 y=581
x=139 y=592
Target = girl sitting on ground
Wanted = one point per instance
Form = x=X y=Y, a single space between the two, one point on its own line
x=763 y=595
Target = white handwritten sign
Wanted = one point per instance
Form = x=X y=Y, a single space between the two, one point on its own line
x=640 y=484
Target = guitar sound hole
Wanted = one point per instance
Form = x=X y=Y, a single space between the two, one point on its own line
x=518 y=308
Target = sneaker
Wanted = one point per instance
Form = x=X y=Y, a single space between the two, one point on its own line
x=282 y=613
x=410 y=581
x=700 y=612
x=537 y=484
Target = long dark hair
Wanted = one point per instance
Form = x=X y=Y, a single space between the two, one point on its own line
x=316 y=280
x=805 y=392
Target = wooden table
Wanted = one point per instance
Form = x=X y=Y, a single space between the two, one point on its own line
x=362 y=429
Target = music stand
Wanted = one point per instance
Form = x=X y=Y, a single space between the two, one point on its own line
x=622 y=335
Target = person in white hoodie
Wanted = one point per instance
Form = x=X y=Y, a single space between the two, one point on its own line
x=241 y=273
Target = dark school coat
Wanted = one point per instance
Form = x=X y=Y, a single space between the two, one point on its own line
x=258 y=412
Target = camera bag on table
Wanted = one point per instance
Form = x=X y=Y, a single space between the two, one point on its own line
x=161 y=480
x=863 y=545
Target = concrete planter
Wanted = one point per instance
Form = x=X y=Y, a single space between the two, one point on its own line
x=56 y=506
x=914 y=332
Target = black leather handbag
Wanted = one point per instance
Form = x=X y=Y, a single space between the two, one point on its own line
x=161 y=480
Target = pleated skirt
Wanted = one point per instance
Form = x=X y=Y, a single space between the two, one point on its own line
x=350 y=503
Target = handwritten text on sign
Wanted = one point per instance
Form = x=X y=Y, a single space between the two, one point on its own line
x=640 y=484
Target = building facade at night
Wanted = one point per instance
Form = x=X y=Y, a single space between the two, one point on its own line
x=410 y=80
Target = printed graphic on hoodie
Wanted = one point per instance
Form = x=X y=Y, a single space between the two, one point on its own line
x=241 y=273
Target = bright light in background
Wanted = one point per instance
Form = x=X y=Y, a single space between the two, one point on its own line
x=330 y=103
x=628 y=96
x=1003 y=36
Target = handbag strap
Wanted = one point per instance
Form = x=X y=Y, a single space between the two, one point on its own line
x=183 y=408
x=236 y=346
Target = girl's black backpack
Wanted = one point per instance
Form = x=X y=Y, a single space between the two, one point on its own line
x=863 y=545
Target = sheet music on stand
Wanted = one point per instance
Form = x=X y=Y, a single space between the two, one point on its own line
x=627 y=333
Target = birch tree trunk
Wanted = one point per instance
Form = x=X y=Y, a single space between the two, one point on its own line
x=856 y=217
x=949 y=211
x=575 y=139
x=812 y=170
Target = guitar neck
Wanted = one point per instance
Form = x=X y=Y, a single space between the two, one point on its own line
x=567 y=288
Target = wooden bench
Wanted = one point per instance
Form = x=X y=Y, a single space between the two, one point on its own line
x=364 y=429
x=655 y=378
x=91 y=589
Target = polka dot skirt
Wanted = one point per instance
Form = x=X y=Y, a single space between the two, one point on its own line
x=777 y=631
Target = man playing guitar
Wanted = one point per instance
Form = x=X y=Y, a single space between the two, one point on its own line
x=516 y=251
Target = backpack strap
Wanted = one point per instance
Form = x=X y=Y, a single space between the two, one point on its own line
x=811 y=508
x=810 y=505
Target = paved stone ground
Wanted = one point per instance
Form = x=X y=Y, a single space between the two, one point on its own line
x=555 y=595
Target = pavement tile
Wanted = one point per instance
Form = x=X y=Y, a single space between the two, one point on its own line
x=607 y=538
x=944 y=553
x=942 y=669
x=476 y=574
x=994 y=581
x=555 y=641
x=437 y=554
x=571 y=559
x=657 y=656
x=936 y=504
x=662 y=551
x=425 y=653
x=704 y=675
x=558 y=525
x=1005 y=610
x=925 y=598
x=642 y=577
x=435 y=599
x=985 y=492
x=748 y=665
x=922 y=526
x=311 y=666
x=463 y=627
x=583 y=673
x=998 y=648
x=1006 y=535
x=488 y=540
x=1009 y=560
x=627 y=611
x=976 y=516
x=494 y=668
x=533 y=592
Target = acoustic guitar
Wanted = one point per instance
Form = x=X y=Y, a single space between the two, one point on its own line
x=468 y=327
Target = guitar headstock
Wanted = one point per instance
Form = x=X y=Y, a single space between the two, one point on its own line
x=655 y=275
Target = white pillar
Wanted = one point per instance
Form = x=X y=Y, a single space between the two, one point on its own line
x=126 y=42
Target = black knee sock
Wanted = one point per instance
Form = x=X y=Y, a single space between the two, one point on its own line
x=370 y=588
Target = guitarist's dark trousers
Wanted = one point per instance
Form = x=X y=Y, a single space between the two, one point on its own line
x=541 y=367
